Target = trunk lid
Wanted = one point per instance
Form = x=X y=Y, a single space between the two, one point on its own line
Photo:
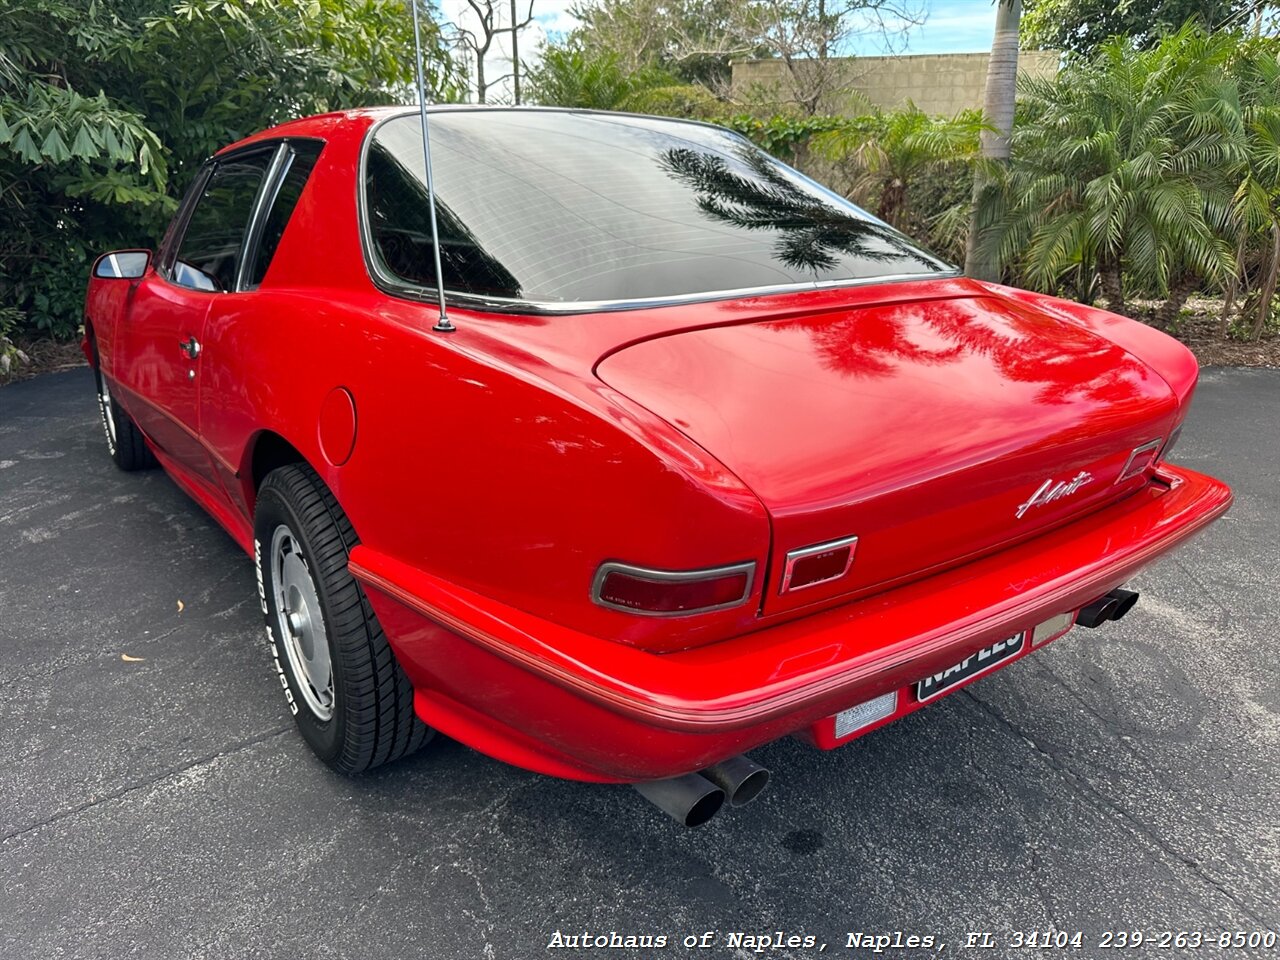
x=932 y=430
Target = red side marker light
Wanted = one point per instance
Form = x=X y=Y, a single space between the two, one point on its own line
x=821 y=563
x=1141 y=458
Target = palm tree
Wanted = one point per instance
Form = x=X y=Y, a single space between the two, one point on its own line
x=1127 y=166
x=1256 y=205
x=569 y=76
x=574 y=76
x=998 y=107
x=888 y=152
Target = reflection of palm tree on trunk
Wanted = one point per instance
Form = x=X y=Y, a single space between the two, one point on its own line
x=1070 y=363
x=813 y=234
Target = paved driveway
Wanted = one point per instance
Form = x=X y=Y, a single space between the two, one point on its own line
x=161 y=805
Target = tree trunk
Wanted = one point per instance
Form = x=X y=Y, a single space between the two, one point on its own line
x=893 y=197
x=515 y=54
x=1112 y=285
x=481 y=88
x=1231 y=290
x=1268 y=291
x=998 y=105
x=1167 y=312
x=822 y=29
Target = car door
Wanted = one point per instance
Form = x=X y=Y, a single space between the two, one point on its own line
x=247 y=358
x=160 y=347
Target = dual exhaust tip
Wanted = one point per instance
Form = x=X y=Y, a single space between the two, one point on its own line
x=695 y=798
x=1111 y=607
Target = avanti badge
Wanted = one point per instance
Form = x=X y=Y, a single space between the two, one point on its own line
x=1050 y=491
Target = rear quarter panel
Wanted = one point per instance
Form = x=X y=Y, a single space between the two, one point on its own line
x=473 y=461
x=513 y=482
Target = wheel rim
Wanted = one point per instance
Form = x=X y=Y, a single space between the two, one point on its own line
x=300 y=622
x=104 y=402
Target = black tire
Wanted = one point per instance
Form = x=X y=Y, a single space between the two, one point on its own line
x=364 y=717
x=125 y=442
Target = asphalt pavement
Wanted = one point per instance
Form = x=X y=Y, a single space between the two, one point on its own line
x=156 y=802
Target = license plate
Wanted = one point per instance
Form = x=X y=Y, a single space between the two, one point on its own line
x=985 y=659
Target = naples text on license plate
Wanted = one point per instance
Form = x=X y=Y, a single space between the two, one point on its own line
x=980 y=662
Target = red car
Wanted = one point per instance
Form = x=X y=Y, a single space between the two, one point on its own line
x=711 y=456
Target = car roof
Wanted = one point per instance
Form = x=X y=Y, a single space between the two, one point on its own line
x=361 y=118
x=319 y=125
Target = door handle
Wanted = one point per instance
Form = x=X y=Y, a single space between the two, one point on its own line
x=190 y=346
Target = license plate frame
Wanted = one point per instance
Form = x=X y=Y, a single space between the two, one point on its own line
x=974 y=665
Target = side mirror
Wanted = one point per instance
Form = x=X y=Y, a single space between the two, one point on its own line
x=122 y=264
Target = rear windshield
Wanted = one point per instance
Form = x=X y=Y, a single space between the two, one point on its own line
x=558 y=208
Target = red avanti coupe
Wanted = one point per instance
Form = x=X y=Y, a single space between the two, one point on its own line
x=710 y=457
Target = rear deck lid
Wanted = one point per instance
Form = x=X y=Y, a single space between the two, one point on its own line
x=931 y=431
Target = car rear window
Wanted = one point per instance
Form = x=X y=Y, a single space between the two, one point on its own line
x=561 y=208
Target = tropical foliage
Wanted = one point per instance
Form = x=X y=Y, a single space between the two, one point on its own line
x=106 y=109
x=572 y=76
x=886 y=153
x=1154 y=171
x=689 y=41
x=1082 y=26
x=1148 y=168
x=785 y=135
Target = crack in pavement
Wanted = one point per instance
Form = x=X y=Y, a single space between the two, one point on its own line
x=1122 y=735
x=1205 y=590
x=94 y=656
x=1088 y=789
x=150 y=781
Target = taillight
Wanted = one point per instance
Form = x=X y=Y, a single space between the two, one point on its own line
x=672 y=593
x=1141 y=458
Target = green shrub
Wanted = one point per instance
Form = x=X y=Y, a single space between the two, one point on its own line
x=107 y=109
x=9 y=353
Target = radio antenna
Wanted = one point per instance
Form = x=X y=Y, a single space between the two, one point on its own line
x=442 y=325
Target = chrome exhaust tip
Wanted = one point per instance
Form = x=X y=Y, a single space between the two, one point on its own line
x=690 y=800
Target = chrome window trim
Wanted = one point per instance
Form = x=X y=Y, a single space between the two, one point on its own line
x=801 y=553
x=262 y=205
x=1148 y=447
x=167 y=254
x=672 y=576
x=390 y=284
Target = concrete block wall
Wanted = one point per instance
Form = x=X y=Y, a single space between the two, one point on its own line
x=936 y=83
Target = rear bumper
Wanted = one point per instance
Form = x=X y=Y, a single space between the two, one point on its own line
x=533 y=693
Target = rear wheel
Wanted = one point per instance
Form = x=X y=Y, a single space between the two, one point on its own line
x=352 y=702
x=125 y=443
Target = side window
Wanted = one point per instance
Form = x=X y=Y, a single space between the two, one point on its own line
x=299 y=163
x=209 y=253
x=166 y=251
